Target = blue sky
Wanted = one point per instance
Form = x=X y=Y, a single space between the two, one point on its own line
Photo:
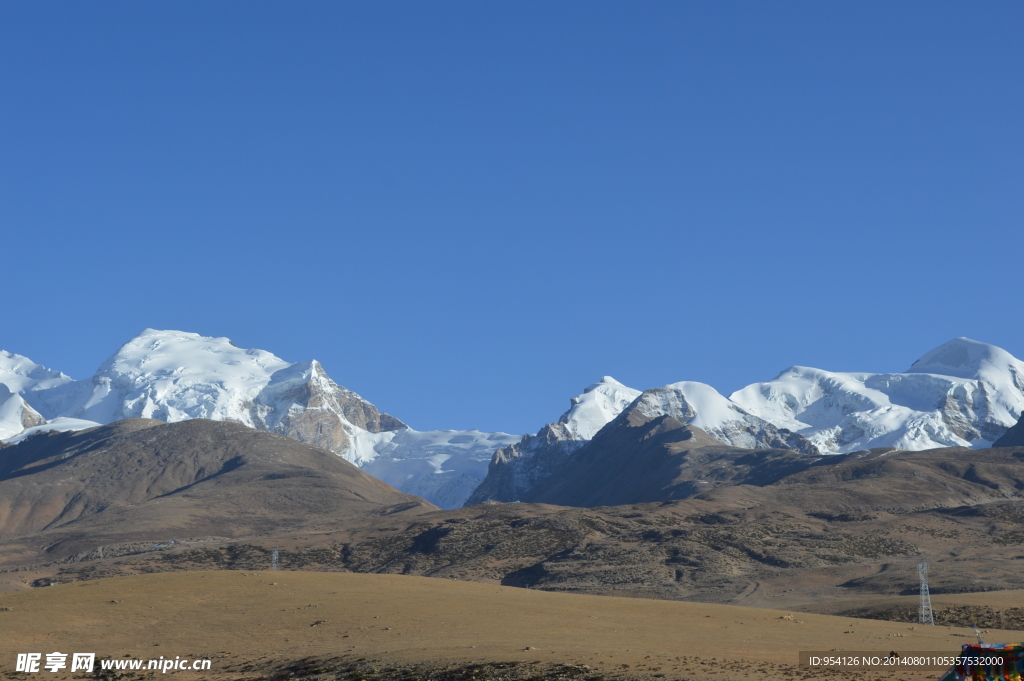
x=470 y=211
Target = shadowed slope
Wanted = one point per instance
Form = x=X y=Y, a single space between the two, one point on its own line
x=1014 y=437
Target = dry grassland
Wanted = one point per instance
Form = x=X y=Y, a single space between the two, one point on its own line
x=251 y=623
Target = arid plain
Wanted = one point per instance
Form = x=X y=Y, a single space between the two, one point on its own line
x=255 y=624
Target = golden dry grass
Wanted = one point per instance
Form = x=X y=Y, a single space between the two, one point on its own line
x=250 y=616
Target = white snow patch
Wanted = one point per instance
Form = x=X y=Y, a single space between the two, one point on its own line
x=60 y=424
x=442 y=466
x=599 y=404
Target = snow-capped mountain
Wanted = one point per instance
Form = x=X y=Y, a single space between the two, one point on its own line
x=19 y=375
x=700 y=405
x=174 y=376
x=520 y=466
x=961 y=394
x=595 y=407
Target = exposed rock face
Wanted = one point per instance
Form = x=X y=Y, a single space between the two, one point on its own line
x=302 y=402
x=1014 y=437
x=515 y=470
x=702 y=406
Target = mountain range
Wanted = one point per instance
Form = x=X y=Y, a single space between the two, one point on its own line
x=961 y=394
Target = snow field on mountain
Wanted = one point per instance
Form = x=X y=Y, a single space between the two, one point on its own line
x=981 y=396
x=442 y=466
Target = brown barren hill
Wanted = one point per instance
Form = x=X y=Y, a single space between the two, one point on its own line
x=140 y=479
x=638 y=458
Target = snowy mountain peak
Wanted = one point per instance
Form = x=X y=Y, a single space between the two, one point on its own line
x=182 y=354
x=966 y=358
x=962 y=393
x=597 y=405
x=170 y=376
x=19 y=374
x=605 y=382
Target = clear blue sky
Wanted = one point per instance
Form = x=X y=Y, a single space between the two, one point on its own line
x=469 y=211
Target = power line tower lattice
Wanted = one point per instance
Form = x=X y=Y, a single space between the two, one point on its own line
x=924 y=615
x=273 y=559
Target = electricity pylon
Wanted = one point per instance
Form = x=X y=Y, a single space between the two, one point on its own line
x=924 y=615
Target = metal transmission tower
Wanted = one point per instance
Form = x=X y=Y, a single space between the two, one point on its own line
x=273 y=562
x=925 y=613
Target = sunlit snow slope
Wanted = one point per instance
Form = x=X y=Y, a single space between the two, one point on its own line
x=963 y=393
x=22 y=380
